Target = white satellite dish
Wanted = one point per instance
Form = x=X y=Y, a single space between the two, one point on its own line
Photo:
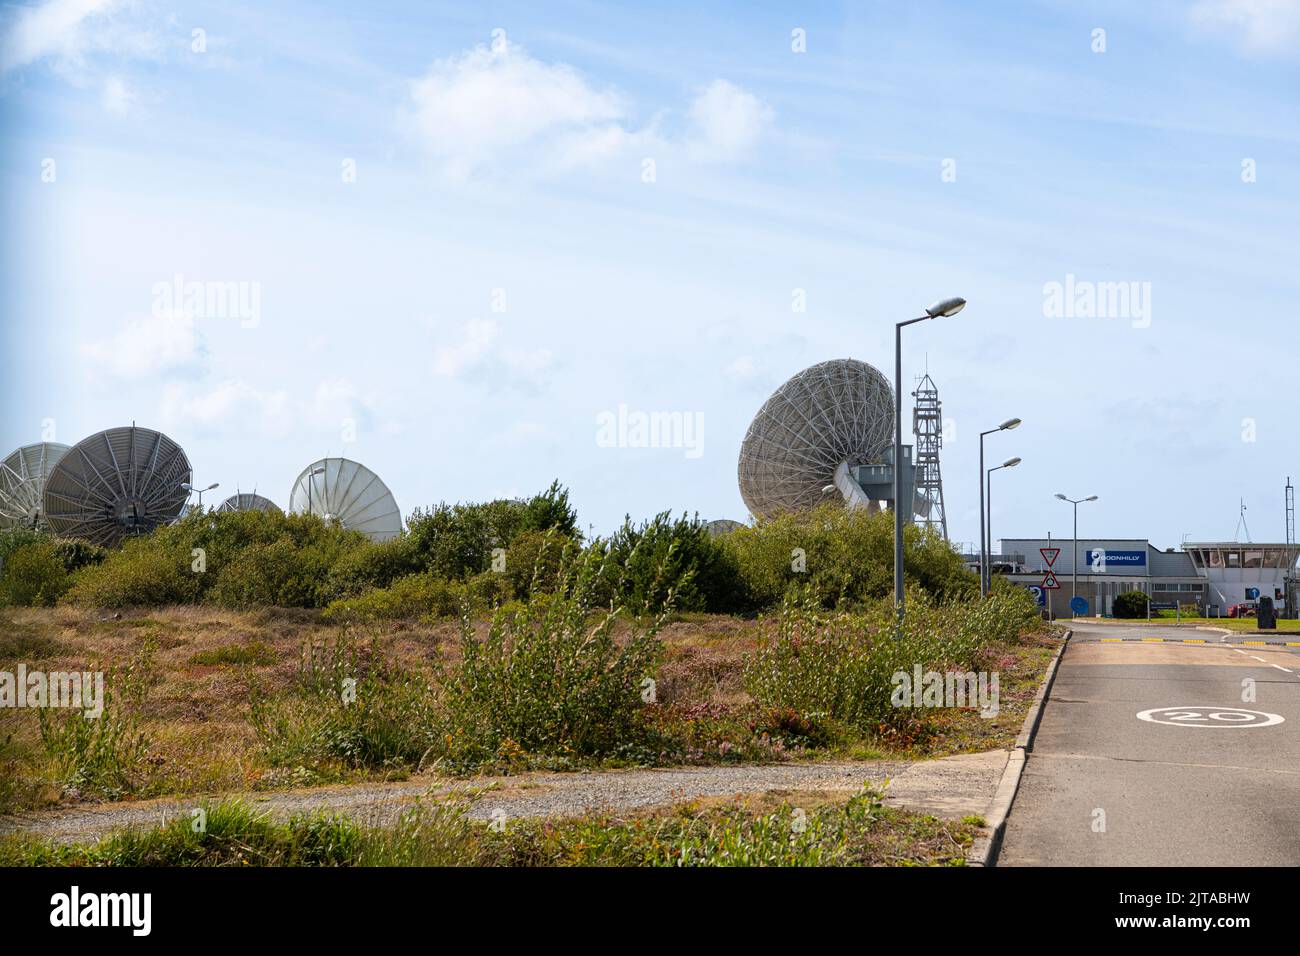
x=824 y=421
x=116 y=484
x=22 y=484
x=248 y=502
x=345 y=492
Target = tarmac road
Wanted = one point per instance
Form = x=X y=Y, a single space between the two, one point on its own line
x=1211 y=787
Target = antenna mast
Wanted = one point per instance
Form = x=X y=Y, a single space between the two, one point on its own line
x=927 y=425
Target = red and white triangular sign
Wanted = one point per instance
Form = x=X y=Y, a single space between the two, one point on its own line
x=1050 y=582
x=1049 y=555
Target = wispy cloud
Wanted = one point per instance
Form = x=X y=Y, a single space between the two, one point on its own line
x=1261 y=26
x=479 y=355
x=146 y=346
x=489 y=107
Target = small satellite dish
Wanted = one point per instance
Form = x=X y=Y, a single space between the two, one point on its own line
x=342 y=491
x=720 y=526
x=116 y=484
x=22 y=484
x=248 y=502
x=835 y=413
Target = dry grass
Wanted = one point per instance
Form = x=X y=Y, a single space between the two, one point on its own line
x=197 y=714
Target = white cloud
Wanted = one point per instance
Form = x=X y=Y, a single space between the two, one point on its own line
x=1264 y=26
x=488 y=106
x=468 y=109
x=728 y=121
x=477 y=352
x=237 y=407
x=53 y=28
x=147 y=346
x=233 y=406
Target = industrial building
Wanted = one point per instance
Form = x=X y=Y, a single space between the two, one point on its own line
x=1212 y=575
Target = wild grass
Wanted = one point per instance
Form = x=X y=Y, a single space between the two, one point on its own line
x=854 y=832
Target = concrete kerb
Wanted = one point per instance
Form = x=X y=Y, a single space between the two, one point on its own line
x=985 y=850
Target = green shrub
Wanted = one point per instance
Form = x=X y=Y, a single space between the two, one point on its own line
x=146 y=572
x=1130 y=604
x=34 y=576
x=549 y=678
x=372 y=566
x=414 y=596
x=102 y=756
x=844 y=558
x=11 y=539
x=533 y=562
x=350 y=704
x=77 y=554
x=663 y=556
x=840 y=666
x=279 y=574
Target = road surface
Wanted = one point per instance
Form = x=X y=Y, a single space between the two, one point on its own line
x=1202 y=784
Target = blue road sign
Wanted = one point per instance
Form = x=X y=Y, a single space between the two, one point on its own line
x=1079 y=605
x=1040 y=595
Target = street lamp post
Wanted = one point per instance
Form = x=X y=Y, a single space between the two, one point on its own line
x=984 y=538
x=1074 y=559
x=946 y=307
x=310 y=483
x=186 y=486
x=1009 y=463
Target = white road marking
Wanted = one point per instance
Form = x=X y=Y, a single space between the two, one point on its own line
x=1281 y=668
x=1210 y=716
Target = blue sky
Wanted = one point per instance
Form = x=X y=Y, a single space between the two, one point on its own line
x=443 y=216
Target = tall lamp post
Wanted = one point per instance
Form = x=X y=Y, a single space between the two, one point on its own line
x=945 y=307
x=1074 y=559
x=984 y=538
x=310 y=484
x=186 y=486
x=1009 y=463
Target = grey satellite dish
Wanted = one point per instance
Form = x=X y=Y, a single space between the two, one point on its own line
x=22 y=484
x=116 y=484
x=816 y=427
x=720 y=526
x=247 y=502
x=342 y=491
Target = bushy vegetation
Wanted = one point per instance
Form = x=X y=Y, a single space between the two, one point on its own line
x=843 y=558
x=1130 y=604
x=838 y=666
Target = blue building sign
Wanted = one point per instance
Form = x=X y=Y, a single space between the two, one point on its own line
x=1100 y=559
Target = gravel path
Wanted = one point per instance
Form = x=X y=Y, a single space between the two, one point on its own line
x=950 y=787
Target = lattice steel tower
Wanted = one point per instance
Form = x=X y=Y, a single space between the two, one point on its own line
x=927 y=425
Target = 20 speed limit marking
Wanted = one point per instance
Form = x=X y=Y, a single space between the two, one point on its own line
x=1203 y=716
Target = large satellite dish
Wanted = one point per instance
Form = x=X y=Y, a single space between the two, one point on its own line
x=832 y=414
x=347 y=493
x=22 y=484
x=115 y=484
x=722 y=526
x=248 y=502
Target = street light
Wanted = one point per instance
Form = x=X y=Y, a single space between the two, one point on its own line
x=186 y=486
x=1074 y=559
x=1009 y=463
x=944 y=307
x=311 y=484
x=1009 y=424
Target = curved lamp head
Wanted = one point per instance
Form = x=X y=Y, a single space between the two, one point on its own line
x=946 y=307
x=1062 y=497
x=1011 y=463
x=1091 y=498
x=186 y=486
x=1009 y=424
